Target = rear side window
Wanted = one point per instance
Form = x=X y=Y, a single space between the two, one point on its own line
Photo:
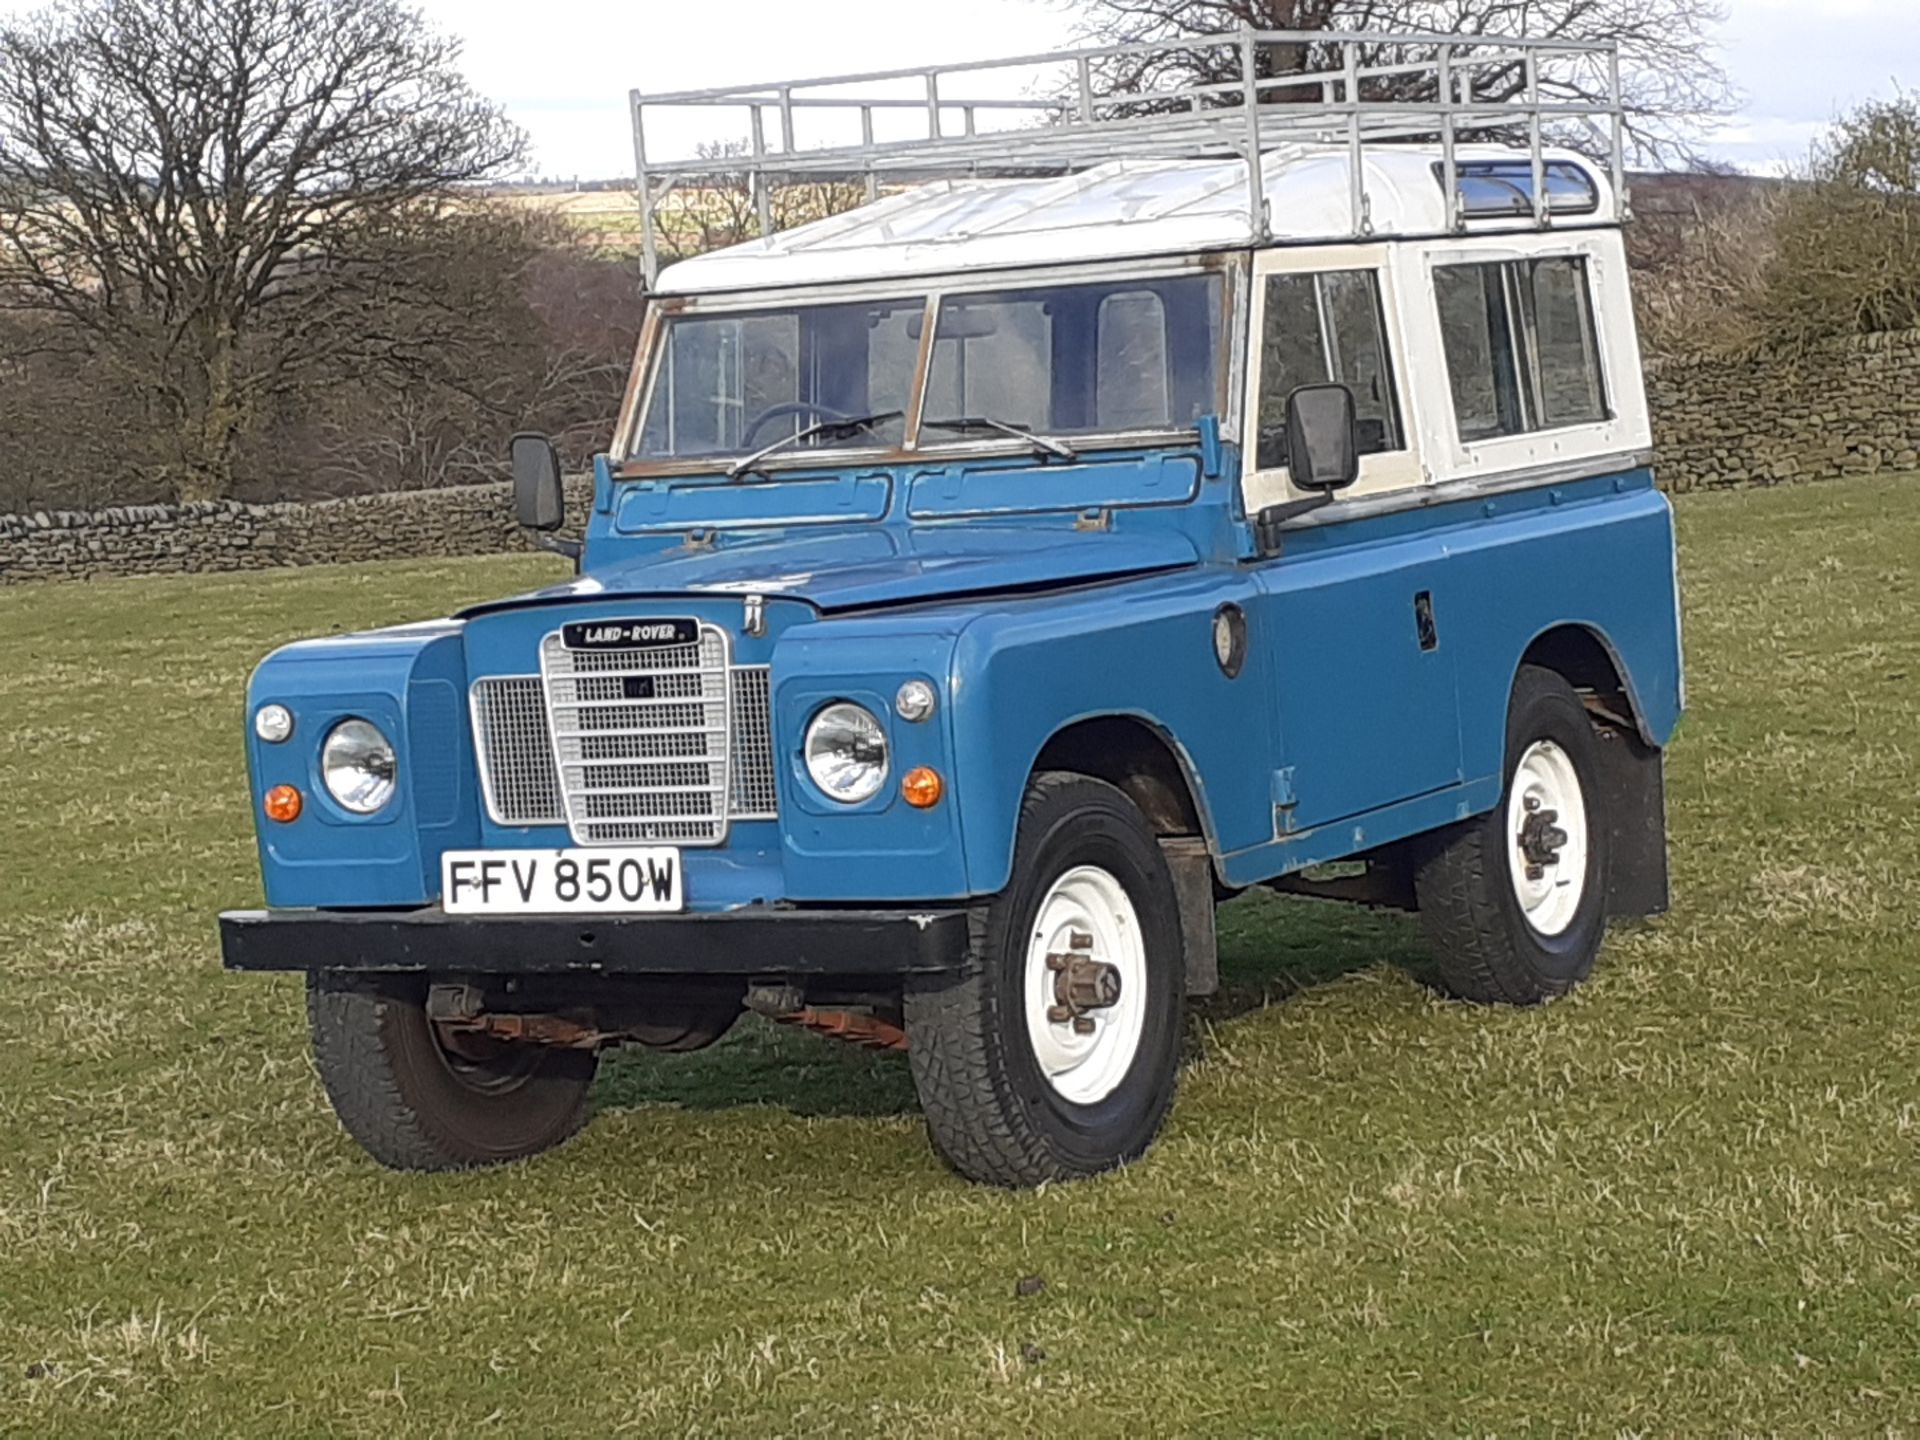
x=1320 y=329
x=1522 y=350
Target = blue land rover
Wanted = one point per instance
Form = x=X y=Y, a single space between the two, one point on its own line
x=981 y=586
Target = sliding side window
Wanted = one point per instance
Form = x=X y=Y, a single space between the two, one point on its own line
x=1320 y=329
x=1523 y=353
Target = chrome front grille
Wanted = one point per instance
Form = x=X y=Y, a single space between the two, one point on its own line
x=645 y=768
x=640 y=739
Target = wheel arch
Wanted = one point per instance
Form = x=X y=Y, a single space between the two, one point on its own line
x=1143 y=760
x=1586 y=658
x=1632 y=778
x=1139 y=756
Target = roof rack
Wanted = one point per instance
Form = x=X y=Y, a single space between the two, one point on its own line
x=1070 y=110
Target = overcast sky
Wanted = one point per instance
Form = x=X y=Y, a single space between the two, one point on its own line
x=563 y=67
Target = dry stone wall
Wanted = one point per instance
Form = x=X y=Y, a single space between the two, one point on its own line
x=1759 y=419
x=1847 y=408
x=226 y=535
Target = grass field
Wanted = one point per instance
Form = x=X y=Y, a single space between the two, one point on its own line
x=610 y=217
x=1686 y=1200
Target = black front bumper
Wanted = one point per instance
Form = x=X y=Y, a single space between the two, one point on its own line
x=739 y=942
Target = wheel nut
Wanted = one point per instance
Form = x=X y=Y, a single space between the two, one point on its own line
x=1085 y=985
x=1083 y=1025
x=1059 y=1014
x=1080 y=940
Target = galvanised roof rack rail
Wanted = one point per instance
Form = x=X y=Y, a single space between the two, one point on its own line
x=1061 y=112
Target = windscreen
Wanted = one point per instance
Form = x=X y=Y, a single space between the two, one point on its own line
x=1128 y=354
x=727 y=385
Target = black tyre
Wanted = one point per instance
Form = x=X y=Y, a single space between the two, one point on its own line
x=416 y=1103
x=1054 y=1053
x=1514 y=901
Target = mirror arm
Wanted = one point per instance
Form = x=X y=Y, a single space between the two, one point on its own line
x=1270 y=523
x=571 y=549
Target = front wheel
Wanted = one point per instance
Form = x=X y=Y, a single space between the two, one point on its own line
x=1053 y=1054
x=1514 y=901
x=415 y=1102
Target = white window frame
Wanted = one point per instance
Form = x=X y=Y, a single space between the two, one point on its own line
x=1381 y=474
x=1626 y=430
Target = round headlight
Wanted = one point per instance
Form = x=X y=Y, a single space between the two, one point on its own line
x=358 y=764
x=847 y=753
x=273 y=723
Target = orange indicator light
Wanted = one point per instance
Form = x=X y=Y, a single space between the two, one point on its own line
x=283 y=804
x=922 y=787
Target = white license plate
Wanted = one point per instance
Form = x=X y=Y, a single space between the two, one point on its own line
x=597 y=881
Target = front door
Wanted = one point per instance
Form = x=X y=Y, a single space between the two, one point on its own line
x=1353 y=611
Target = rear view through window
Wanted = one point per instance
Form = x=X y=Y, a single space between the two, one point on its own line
x=1079 y=359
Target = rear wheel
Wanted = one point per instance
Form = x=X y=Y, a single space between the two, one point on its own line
x=1053 y=1054
x=1514 y=901
x=416 y=1101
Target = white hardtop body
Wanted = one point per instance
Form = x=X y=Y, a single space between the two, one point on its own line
x=1375 y=160
x=1124 y=209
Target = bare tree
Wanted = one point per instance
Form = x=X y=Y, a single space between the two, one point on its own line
x=219 y=196
x=713 y=211
x=1672 y=77
x=1699 y=246
x=1846 y=257
x=546 y=344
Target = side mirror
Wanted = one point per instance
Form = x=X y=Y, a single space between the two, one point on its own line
x=539 y=502
x=1323 y=438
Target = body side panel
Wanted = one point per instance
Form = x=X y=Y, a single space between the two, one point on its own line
x=1373 y=738
x=1144 y=650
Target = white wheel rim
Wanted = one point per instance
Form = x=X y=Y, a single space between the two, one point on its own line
x=1084 y=1065
x=1547 y=857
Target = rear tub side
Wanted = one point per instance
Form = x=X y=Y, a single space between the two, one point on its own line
x=1600 y=556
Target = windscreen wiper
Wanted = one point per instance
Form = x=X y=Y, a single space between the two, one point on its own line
x=838 y=429
x=1046 y=444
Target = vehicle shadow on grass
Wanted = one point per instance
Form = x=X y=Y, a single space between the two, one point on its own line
x=760 y=1063
x=1274 y=947
x=1271 y=949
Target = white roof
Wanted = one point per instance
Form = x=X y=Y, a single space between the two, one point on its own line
x=1122 y=209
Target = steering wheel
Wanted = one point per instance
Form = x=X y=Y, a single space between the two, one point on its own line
x=788 y=410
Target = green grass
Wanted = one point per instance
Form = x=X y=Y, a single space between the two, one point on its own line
x=1686 y=1200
